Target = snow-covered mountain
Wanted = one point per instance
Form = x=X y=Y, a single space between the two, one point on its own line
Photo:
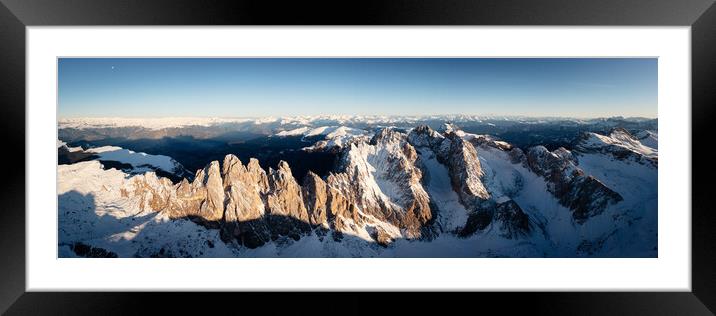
x=126 y=160
x=622 y=145
x=329 y=136
x=394 y=192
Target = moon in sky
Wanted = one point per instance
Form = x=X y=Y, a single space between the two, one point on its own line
x=112 y=67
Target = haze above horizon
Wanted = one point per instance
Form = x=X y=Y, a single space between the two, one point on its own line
x=283 y=87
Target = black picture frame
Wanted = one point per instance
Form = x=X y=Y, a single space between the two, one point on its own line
x=15 y=15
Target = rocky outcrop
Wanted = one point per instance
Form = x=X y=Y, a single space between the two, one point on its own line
x=424 y=136
x=244 y=207
x=287 y=213
x=507 y=217
x=149 y=192
x=209 y=181
x=248 y=205
x=244 y=217
x=465 y=171
x=460 y=156
x=202 y=199
x=458 y=152
x=517 y=156
x=583 y=194
x=512 y=222
x=315 y=198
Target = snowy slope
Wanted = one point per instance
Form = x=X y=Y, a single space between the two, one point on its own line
x=61 y=144
x=451 y=214
x=141 y=162
x=648 y=138
x=294 y=132
x=635 y=219
x=555 y=229
x=93 y=212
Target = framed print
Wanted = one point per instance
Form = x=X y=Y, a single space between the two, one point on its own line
x=508 y=147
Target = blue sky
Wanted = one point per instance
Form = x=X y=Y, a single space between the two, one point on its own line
x=253 y=87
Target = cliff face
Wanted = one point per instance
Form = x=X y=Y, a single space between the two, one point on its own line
x=583 y=194
x=315 y=197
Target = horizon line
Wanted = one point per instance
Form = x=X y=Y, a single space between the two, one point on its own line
x=356 y=115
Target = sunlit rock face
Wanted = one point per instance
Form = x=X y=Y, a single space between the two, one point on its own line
x=315 y=196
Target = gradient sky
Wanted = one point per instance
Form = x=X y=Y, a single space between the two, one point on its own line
x=253 y=87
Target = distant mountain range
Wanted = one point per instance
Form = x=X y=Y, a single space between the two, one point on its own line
x=345 y=120
x=397 y=187
x=206 y=128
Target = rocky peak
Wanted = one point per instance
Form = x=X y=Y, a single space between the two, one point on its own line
x=382 y=180
x=424 y=136
x=257 y=175
x=184 y=187
x=232 y=170
x=387 y=135
x=648 y=138
x=244 y=216
x=209 y=180
x=465 y=169
x=543 y=162
x=449 y=128
x=284 y=196
x=512 y=221
x=583 y=194
x=517 y=156
x=151 y=193
x=620 y=131
x=564 y=154
x=283 y=166
x=315 y=197
x=460 y=157
x=253 y=165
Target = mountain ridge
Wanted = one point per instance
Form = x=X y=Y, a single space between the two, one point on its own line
x=378 y=192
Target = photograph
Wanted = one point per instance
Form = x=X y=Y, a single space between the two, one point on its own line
x=504 y=151
x=357 y=157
